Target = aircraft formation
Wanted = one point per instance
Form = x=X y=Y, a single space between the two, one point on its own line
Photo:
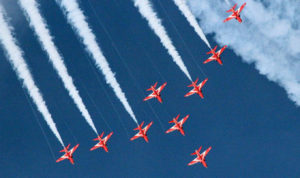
x=80 y=26
x=156 y=93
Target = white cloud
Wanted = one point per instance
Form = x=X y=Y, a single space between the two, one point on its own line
x=268 y=37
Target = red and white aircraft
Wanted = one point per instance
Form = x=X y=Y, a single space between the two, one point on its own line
x=155 y=92
x=200 y=157
x=215 y=55
x=196 y=89
x=102 y=142
x=235 y=13
x=142 y=132
x=68 y=154
x=178 y=125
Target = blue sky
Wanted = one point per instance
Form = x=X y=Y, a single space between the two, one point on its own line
x=248 y=120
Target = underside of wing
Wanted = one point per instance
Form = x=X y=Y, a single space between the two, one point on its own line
x=147 y=127
x=172 y=129
x=209 y=60
x=193 y=162
x=95 y=147
x=183 y=120
x=202 y=83
x=161 y=87
x=221 y=50
x=190 y=93
x=241 y=8
x=135 y=137
x=229 y=18
x=63 y=157
x=149 y=97
x=73 y=149
x=206 y=152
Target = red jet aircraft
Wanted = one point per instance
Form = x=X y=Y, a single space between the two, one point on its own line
x=102 y=142
x=200 y=157
x=196 y=89
x=178 y=125
x=235 y=13
x=215 y=55
x=142 y=132
x=155 y=92
x=68 y=154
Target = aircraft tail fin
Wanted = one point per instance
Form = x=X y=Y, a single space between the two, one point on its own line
x=213 y=50
x=102 y=134
x=99 y=137
x=232 y=9
x=172 y=121
x=151 y=88
x=140 y=126
x=199 y=149
x=193 y=153
x=175 y=119
x=66 y=148
x=194 y=83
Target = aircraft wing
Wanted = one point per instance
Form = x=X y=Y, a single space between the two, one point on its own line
x=241 y=8
x=202 y=83
x=138 y=135
x=206 y=152
x=161 y=87
x=183 y=120
x=190 y=93
x=173 y=128
x=147 y=127
x=209 y=59
x=229 y=18
x=95 y=147
x=63 y=157
x=73 y=149
x=150 y=97
x=193 y=162
x=107 y=137
x=222 y=50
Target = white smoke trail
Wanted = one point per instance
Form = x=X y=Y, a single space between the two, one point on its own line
x=147 y=11
x=38 y=24
x=181 y=4
x=268 y=37
x=78 y=22
x=15 y=57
